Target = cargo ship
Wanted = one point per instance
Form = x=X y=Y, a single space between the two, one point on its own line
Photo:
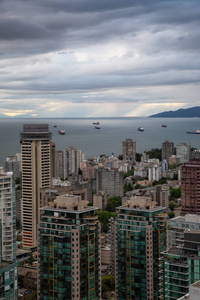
x=62 y=131
x=194 y=132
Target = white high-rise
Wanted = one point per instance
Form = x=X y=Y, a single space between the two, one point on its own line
x=183 y=152
x=8 y=265
x=36 y=173
x=72 y=160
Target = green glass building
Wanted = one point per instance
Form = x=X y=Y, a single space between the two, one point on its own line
x=180 y=267
x=141 y=237
x=69 y=251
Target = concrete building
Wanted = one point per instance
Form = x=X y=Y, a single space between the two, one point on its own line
x=8 y=266
x=129 y=150
x=59 y=164
x=141 y=237
x=183 y=152
x=69 y=251
x=167 y=150
x=36 y=173
x=190 y=188
x=111 y=182
x=194 y=292
x=178 y=226
x=154 y=173
x=53 y=160
x=164 y=165
x=12 y=164
x=48 y=195
x=161 y=195
x=195 y=154
x=140 y=172
x=100 y=200
x=174 y=160
x=72 y=160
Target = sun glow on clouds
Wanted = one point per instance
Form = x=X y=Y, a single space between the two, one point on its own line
x=13 y=113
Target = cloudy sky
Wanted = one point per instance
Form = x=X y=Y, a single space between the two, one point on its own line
x=89 y=58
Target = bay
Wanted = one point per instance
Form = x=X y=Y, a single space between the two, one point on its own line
x=81 y=134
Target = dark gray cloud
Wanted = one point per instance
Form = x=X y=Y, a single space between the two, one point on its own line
x=120 y=51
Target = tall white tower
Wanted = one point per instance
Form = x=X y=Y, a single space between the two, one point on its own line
x=36 y=173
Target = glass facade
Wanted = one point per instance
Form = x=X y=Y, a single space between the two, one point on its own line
x=180 y=267
x=141 y=237
x=69 y=257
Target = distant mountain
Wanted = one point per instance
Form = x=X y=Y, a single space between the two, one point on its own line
x=192 y=112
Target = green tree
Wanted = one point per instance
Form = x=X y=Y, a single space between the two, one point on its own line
x=172 y=205
x=155 y=153
x=108 y=283
x=138 y=157
x=127 y=187
x=171 y=214
x=129 y=173
x=175 y=193
x=112 y=203
x=104 y=217
x=137 y=186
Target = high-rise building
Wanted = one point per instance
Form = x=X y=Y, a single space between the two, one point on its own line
x=69 y=251
x=36 y=173
x=154 y=173
x=167 y=150
x=183 y=152
x=129 y=150
x=59 y=164
x=177 y=227
x=12 y=164
x=140 y=239
x=180 y=267
x=190 y=188
x=111 y=182
x=8 y=266
x=72 y=160
x=161 y=195
x=53 y=160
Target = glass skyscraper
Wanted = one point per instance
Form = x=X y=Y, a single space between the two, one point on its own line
x=69 y=251
x=140 y=238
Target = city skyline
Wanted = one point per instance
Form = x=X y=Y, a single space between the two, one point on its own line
x=91 y=59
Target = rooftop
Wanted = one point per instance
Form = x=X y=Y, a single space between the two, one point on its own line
x=141 y=203
x=69 y=203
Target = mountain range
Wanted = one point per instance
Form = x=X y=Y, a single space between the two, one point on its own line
x=192 y=112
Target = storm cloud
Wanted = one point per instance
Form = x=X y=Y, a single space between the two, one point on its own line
x=85 y=58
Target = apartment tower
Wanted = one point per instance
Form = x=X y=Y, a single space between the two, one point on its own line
x=140 y=239
x=8 y=266
x=69 y=251
x=111 y=182
x=167 y=150
x=36 y=173
x=190 y=188
x=129 y=150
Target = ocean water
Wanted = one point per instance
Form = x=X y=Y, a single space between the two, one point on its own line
x=81 y=134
